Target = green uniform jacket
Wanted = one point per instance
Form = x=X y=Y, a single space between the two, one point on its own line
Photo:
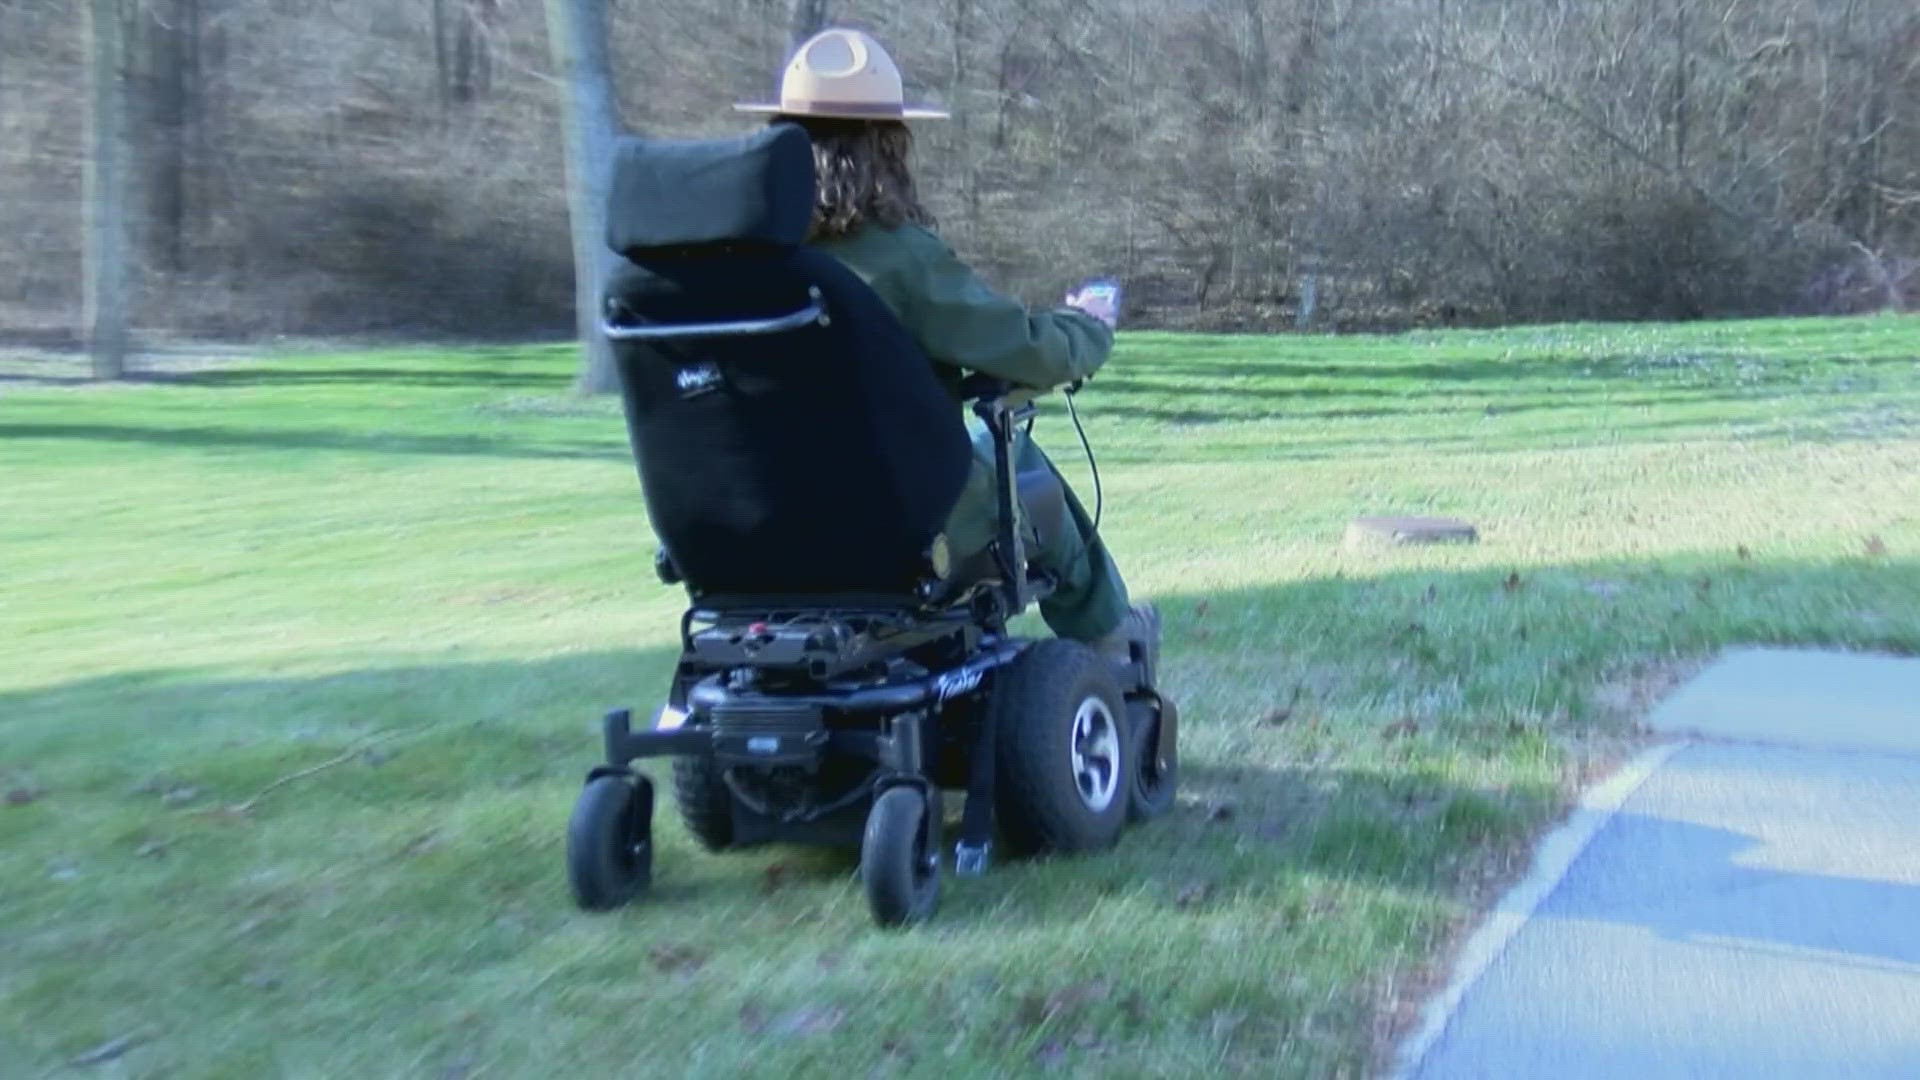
x=961 y=323
x=964 y=326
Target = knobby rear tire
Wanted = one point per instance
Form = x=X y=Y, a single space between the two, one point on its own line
x=1041 y=805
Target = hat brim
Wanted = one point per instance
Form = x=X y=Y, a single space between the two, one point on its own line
x=828 y=112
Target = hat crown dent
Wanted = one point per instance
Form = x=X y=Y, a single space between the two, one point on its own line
x=832 y=54
x=839 y=65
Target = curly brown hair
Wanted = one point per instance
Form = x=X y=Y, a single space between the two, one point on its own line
x=861 y=176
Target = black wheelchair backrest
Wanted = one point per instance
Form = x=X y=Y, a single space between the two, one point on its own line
x=790 y=435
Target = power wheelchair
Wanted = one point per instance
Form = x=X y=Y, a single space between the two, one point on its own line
x=840 y=669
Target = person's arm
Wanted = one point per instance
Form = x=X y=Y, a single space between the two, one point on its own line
x=958 y=319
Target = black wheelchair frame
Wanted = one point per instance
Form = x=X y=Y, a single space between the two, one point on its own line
x=830 y=703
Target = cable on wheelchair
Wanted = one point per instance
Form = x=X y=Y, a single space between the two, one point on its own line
x=1099 y=496
x=976 y=386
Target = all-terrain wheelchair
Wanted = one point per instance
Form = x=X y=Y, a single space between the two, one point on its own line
x=840 y=669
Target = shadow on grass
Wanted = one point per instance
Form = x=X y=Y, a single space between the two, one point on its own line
x=1603 y=414
x=1570 y=368
x=1191 y=388
x=265 y=438
x=22 y=379
x=1335 y=835
x=1290 y=438
x=1599 y=399
x=1822 y=427
x=421 y=375
x=1422 y=670
x=524 y=734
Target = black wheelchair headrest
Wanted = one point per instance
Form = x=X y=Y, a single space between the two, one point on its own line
x=757 y=189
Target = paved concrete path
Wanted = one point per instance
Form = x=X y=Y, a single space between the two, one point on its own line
x=1744 y=902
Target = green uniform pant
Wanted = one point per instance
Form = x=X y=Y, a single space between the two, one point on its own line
x=1091 y=599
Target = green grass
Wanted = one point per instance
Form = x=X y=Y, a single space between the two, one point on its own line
x=218 y=580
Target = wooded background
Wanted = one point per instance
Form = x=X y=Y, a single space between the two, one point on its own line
x=353 y=166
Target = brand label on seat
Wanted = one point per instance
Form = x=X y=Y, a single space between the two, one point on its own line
x=697 y=380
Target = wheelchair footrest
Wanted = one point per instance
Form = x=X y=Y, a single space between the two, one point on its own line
x=972 y=860
x=976 y=817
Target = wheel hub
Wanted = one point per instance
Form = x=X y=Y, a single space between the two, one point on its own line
x=1096 y=754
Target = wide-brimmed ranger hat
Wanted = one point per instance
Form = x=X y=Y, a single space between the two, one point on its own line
x=844 y=75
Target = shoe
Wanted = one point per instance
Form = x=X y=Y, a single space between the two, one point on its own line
x=1141 y=627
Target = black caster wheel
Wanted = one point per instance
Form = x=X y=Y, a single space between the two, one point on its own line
x=900 y=871
x=610 y=842
x=1156 y=760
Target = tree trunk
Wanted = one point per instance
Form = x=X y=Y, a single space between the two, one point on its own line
x=805 y=18
x=442 y=58
x=577 y=34
x=462 y=62
x=105 y=193
x=1681 y=104
x=170 y=83
x=958 y=31
x=5 y=30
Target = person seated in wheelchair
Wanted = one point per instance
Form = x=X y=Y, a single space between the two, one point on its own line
x=843 y=89
x=795 y=348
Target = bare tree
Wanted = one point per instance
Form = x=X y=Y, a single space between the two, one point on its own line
x=168 y=103
x=577 y=34
x=105 y=191
x=1417 y=161
x=5 y=30
x=462 y=57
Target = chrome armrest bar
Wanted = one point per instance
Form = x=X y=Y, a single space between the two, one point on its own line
x=815 y=312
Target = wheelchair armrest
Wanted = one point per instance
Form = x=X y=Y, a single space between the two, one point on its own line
x=984 y=388
x=989 y=396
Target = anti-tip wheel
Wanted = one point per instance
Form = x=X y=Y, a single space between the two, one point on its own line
x=901 y=874
x=610 y=842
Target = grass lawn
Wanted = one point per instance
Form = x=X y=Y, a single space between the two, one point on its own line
x=430 y=572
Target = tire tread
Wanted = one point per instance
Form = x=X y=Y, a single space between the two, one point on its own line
x=887 y=853
x=705 y=804
x=1034 y=699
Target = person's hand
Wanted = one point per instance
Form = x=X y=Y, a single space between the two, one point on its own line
x=1098 y=299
